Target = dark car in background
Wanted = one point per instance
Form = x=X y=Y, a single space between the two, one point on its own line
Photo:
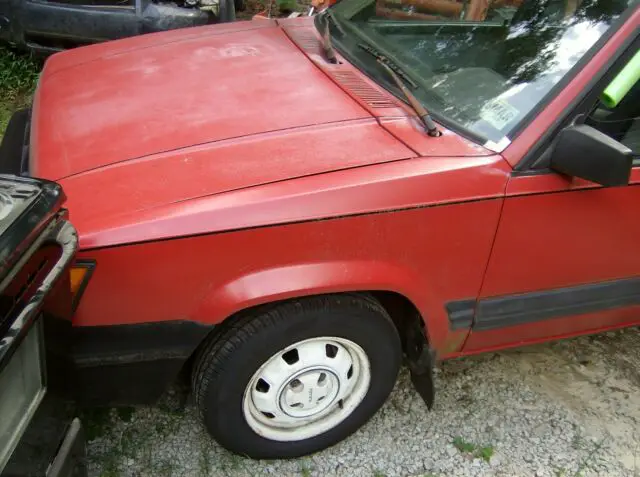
x=47 y=26
x=39 y=433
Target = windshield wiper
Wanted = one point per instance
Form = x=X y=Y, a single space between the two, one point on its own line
x=395 y=71
x=421 y=111
x=327 y=46
x=380 y=57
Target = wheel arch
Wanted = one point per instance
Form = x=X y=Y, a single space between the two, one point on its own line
x=402 y=311
x=397 y=288
x=387 y=282
x=402 y=293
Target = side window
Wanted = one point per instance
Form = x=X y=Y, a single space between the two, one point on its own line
x=620 y=122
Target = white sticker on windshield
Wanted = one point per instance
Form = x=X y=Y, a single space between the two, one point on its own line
x=498 y=113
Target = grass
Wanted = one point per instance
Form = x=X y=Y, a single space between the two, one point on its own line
x=96 y=421
x=485 y=453
x=18 y=72
x=482 y=452
x=18 y=79
x=305 y=472
x=306 y=467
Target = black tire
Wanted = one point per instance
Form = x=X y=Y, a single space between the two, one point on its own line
x=229 y=359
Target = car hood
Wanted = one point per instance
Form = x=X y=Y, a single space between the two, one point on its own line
x=135 y=127
x=98 y=106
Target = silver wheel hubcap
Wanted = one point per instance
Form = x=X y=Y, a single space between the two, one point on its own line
x=306 y=389
x=309 y=393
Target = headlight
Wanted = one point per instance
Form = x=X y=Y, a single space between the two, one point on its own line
x=22 y=385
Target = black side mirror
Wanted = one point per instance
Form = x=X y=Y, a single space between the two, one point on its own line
x=582 y=151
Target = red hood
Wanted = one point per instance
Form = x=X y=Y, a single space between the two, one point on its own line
x=137 y=97
x=139 y=124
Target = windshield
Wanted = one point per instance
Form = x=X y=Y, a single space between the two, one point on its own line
x=479 y=65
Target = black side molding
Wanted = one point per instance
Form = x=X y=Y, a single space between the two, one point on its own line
x=513 y=310
x=460 y=314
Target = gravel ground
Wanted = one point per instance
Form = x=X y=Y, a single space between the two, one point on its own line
x=570 y=408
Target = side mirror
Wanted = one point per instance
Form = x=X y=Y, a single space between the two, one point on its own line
x=582 y=151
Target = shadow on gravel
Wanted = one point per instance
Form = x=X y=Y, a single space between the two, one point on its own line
x=569 y=408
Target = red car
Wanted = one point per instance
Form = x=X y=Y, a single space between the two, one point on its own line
x=281 y=210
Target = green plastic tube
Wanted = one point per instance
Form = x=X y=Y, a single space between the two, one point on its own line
x=621 y=84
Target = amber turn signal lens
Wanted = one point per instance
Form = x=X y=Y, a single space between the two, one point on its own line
x=78 y=275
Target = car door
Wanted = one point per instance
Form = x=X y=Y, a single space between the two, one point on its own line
x=565 y=259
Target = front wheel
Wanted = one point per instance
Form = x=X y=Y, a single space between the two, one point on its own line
x=298 y=377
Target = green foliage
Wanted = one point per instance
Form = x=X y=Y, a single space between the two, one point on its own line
x=96 y=421
x=18 y=73
x=287 y=5
x=306 y=467
x=463 y=446
x=18 y=78
x=483 y=452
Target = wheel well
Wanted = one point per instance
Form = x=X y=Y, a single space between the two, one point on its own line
x=402 y=311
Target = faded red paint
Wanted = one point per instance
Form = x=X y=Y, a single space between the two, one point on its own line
x=241 y=169
x=177 y=94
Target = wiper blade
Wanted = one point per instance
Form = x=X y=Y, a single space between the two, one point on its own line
x=327 y=46
x=329 y=16
x=395 y=71
x=380 y=57
x=421 y=111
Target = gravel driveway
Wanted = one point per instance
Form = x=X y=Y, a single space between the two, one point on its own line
x=562 y=409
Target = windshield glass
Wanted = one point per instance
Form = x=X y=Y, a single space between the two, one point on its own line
x=479 y=65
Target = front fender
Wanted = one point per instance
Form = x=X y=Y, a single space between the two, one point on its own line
x=292 y=281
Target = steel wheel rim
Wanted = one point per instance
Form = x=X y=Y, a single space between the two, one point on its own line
x=306 y=389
